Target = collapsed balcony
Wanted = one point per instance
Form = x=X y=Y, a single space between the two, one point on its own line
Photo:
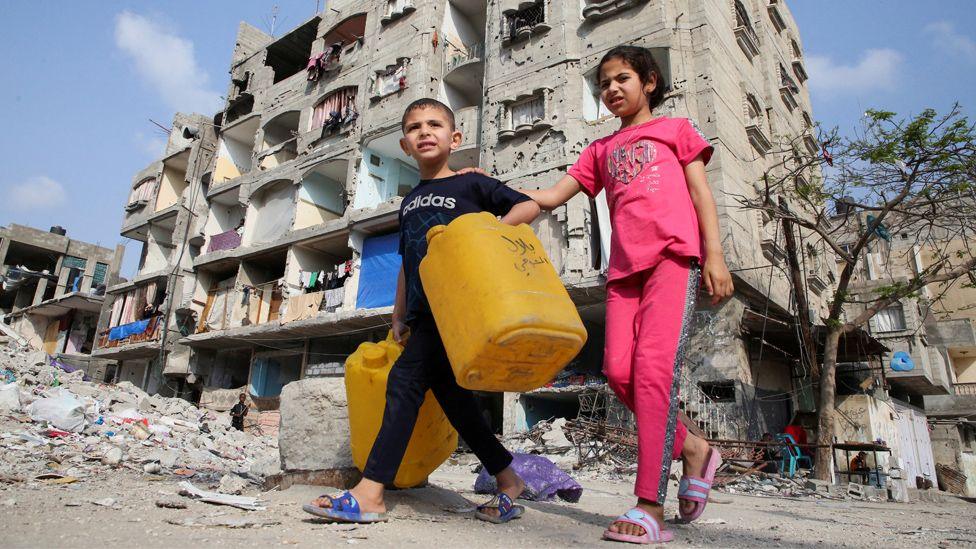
x=235 y=150
x=280 y=140
x=321 y=194
x=289 y=54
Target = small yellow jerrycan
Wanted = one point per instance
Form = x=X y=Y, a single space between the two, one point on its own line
x=433 y=439
x=506 y=320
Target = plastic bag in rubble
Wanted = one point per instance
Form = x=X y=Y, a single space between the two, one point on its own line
x=61 y=409
x=10 y=397
x=543 y=480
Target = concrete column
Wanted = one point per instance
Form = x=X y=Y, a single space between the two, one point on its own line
x=4 y=247
x=62 y=276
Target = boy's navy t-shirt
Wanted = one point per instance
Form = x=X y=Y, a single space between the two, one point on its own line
x=437 y=202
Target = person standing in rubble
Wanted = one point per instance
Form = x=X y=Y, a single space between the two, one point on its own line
x=238 y=413
x=665 y=241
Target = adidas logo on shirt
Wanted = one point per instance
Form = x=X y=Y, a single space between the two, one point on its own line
x=430 y=200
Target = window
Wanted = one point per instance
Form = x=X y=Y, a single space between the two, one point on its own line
x=788 y=89
x=525 y=113
x=101 y=270
x=890 y=319
x=797 y=52
x=396 y=9
x=390 y=80
x=520 y=24
x=775 y=16
x=807 y=121
x=745 y=35
x=141 y=193
x=335 y=110
x=756 y=124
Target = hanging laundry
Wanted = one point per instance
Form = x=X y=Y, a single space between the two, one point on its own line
x=314 y=67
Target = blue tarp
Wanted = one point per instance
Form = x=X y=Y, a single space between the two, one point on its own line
x=380 y=269
x=126 y=330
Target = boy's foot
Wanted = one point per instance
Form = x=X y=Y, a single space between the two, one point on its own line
x=694 y=456
x=656 y=512
x=509 y=484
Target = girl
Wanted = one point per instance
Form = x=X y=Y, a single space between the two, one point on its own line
x=664 y=226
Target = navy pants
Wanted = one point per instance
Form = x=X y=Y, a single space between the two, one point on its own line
x=424 y=365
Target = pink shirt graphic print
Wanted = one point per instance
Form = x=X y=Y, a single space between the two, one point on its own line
x=642 y=170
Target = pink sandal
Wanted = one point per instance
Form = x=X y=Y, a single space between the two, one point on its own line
x=652 y=530
x=695 y=489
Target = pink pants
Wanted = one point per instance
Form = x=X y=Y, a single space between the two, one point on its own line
x=648 y=314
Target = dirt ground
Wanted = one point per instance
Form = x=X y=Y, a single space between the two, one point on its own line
x=42 y=515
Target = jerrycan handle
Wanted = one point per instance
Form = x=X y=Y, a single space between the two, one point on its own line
x=434 y=231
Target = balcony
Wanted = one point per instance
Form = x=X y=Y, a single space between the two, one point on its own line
x=140 y=331
x=455 y=57
x=748 y=40
x=595 y=10
x=788 y=90
x=758 y=138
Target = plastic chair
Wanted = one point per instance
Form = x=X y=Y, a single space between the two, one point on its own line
x=791 y=456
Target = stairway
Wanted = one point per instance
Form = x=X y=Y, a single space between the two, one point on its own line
x=704 y=411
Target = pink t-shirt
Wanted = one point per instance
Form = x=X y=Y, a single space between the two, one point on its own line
x=642 y=170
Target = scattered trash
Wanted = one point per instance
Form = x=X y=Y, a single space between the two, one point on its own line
x=241 y=502
x=232 y=484
x=170 y=503
x=54 y=478
x=95 y=426
x=712 y=521
x=223 y=522
x=543 y=480
x=104 y=502
x=61 y=410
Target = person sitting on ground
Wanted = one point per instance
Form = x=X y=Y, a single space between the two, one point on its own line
x=429 y=136
x=238 y=412
x=767 y=457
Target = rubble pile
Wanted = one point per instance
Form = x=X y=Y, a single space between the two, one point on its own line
x=774 y=485
x=545 y=438
x=57 y=427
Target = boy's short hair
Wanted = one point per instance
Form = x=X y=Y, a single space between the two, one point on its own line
x=427 y=103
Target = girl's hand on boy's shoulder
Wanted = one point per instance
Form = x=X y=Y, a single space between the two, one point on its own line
x=717 y=279
x=474 y=169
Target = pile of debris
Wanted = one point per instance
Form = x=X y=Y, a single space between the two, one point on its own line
x=55 y=426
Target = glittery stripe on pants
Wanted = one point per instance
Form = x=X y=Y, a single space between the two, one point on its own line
x=648 y=315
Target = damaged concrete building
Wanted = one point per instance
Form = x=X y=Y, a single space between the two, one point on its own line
x=270 y=230
x=52 y=293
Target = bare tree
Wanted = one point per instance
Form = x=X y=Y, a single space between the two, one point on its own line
x=911 y=177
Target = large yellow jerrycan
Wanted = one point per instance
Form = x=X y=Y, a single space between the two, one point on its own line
x=507 y=322
x=433 y=439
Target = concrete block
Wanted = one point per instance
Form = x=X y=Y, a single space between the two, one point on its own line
x=314 y=432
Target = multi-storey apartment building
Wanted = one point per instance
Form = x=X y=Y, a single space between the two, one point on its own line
x=276 y=236
x=53 y=289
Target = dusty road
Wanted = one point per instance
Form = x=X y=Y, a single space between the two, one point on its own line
x=37 y=515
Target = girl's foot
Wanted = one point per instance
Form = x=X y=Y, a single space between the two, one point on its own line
x=510 y=484
x=694 y=455
x=629 y=529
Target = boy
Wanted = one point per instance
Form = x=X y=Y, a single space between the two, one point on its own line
x=429 y=136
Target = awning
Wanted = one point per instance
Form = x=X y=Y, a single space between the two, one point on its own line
x=60 y=306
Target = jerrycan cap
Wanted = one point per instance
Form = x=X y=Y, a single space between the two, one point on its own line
x=374 y=357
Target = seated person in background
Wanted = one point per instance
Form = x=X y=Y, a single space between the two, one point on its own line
x=767 y=457
x=859 y=464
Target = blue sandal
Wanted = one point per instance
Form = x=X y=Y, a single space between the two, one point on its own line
x=344 y=508
x=506 y=510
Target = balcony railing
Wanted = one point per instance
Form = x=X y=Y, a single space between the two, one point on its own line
x=459 y=56
x=965 y=389
x=139 y=331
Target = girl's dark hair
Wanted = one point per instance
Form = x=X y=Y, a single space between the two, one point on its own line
x=643 y=63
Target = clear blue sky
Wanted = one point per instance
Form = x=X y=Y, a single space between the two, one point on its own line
x=82 y=79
